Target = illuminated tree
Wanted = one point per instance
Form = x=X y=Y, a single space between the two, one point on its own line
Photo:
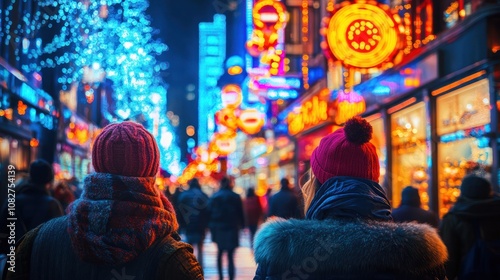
x=97 y=39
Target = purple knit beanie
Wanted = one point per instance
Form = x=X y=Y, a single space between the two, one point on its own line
x=126 y=149
x=347 y=152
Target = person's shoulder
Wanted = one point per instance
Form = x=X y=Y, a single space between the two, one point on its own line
x=178 y=262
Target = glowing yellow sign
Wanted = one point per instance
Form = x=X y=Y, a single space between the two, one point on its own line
x=311 y=113
x=364 y=35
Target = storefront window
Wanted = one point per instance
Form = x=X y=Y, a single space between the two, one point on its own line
x=463 y=118
x=66 y=165
x=378 y=140
x=20 y=154
x=410 y=153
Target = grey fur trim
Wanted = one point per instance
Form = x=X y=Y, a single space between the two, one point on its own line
x=349 y=246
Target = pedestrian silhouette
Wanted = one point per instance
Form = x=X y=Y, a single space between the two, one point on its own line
x=348 y=231
x=193 y=216
x=284 y=204
x=411 y=210
x=63 y=193
x=253 y=212
x=33 y=204
x=226 y=220
x=476 y=207
x=122 y=226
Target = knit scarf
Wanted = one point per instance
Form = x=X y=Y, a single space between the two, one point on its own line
x=349 y=197
x=117 y=218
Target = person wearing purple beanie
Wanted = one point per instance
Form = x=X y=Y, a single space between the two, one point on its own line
x=348 y=231
x=122 y=226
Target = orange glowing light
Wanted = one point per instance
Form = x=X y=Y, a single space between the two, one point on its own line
x=363 y=35
x=224 y=143
x=34 y=142
x=235 y=70
x=269 y=14
x=250 y=121
x=231 y=96
x=227 y=117
x=349 y=105
x=21 y=108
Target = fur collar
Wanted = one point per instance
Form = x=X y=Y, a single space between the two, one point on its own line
x=349 y=246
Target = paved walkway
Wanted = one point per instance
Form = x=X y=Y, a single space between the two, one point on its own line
x=243 y=260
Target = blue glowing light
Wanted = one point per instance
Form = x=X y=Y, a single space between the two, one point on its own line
x=212 y=53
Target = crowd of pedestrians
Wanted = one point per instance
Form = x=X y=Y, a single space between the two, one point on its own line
x=341 y=225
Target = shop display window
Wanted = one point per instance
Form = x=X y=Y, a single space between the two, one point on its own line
x=378 y=140
x=410 y=153
x=66 y=165
x=20 y=154
x=463 y=118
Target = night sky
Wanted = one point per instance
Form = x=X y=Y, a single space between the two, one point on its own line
x=177 y=22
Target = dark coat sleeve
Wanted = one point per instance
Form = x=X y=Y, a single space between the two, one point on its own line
x=181 y=265
x=241 y=213
x=452 y=241
x=55 y=209
x=23 y=256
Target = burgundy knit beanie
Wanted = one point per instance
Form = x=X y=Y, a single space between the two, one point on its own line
x=347 y=152
x=126 y=149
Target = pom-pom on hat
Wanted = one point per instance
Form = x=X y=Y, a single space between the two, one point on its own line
x=347 y=152
x=126 y=149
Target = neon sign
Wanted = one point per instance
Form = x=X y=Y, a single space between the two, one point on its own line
x=363 y=35
x=279 y=82
x=275 y=94
x=231 y=96
x=349 y=105
x=269 y=16
x=309 y=114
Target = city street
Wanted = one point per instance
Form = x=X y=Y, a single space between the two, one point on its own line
x=244 y=262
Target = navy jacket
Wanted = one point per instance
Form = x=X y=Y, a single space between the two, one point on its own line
x=193 y=212
x=33 y=207
x=458 y=232
x=226 y=218
x=284 y=204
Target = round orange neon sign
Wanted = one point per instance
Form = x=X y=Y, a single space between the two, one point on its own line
x=364 y=35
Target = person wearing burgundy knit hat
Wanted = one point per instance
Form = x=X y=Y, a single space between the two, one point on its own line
x=348 y=231
x=122 y=226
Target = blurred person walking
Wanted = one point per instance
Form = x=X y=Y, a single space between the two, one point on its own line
x=348 y=231
x=253 y=212
x=226 y=220
x=33 y=203
x=475 y=214
x=411 y=209
x=193 y=216
x=285 y=203
x=63 y=193
x=122 y=227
